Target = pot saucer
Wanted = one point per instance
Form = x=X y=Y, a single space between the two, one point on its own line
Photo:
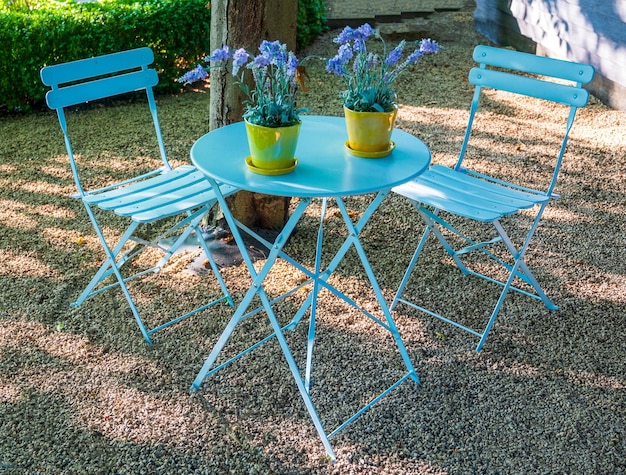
x=271 y=171
x=382 y=153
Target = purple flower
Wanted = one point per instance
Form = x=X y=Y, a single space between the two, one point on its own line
x=240 y=58
x=196 y=74
x=363 y=32
x=260 y=61
x=346 y=35
x=395 y=54
x=292 y=64
x=271 y=48
x=220 y=54
x=415 y=56
x=429 y=46
x=274 y=53
x=359 y=46
x=335 y=66
x=344 y=53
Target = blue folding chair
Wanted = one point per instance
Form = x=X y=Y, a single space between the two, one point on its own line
x=442 y=193
x=162 y=193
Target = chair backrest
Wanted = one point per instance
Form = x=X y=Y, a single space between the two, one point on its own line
x=513 y=75
x=85 y=80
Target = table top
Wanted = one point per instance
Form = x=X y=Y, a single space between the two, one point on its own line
x=325 y=168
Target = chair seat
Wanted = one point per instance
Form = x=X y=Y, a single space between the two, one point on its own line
x=166 y=194
x=466 y=195
x=442 y=192
x=181 y=197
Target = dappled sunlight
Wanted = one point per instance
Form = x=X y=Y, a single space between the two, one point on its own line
x=8 y=168
x=562 y=215
x=112 y=161
x=17 y=214
x=61 y=171
x=448 y=117
x=40 y=187
x=13 y=215
x=9 y=392
x=612 y=287
x=22 y=265
x=95 y=386
x=517 y=368
x=71 y=239
x=595 y=380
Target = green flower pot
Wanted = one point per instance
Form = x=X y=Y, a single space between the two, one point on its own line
x=272 y=149
x=370 y=132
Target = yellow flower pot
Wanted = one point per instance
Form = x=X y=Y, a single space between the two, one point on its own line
x=272 y=149
x=370 y=132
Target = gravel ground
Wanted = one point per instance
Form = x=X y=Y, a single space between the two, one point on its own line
x=81 y=392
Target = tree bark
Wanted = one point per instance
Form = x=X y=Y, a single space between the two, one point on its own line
x=245 y=23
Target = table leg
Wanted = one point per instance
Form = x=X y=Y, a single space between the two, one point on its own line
x=319 y=279
x=355 y=230
x=257 y=288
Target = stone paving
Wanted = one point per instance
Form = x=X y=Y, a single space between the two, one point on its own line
x=354 y=12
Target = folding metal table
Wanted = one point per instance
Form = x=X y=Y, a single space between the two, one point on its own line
x=325 y=170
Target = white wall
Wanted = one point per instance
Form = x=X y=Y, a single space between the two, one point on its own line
x=588 y=31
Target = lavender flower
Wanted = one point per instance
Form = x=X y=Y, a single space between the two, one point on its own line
x=240 y=58
x=415 y=56
x=368 y=76
x=395 y=54
x=220 y=54
x=260 y=61
x=429 y=46
x=272 y=102
x=364 y=32
x=196 y=74
x=345 y=36
x=335 y=66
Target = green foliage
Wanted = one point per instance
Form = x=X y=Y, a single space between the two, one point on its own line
x=311 y=21
x=36 y=33
x=176 y=30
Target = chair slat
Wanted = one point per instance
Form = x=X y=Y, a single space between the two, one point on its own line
x=101 y=88
x=159 y=196
x=176 y=207
x=486 y=188
x=92 y=67
x=467 y=196
x=550 y=91
x=531 y=63
x=140 y=186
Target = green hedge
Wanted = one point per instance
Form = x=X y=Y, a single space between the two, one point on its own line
x=176 y=30
x=311 y=21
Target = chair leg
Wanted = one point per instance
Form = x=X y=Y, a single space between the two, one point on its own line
x=519 y=260
x=114 y=262
x=409 y=269
x=517 y=269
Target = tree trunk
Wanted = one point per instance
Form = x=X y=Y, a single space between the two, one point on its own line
x=245 y=23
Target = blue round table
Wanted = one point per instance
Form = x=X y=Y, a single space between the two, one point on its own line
x=325 y=169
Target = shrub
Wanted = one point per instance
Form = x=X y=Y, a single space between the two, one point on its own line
x=311 y=21
x=56 y=32
x=176 y=30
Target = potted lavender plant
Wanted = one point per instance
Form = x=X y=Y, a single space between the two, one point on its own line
x=271 y=115
x=369 y=100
